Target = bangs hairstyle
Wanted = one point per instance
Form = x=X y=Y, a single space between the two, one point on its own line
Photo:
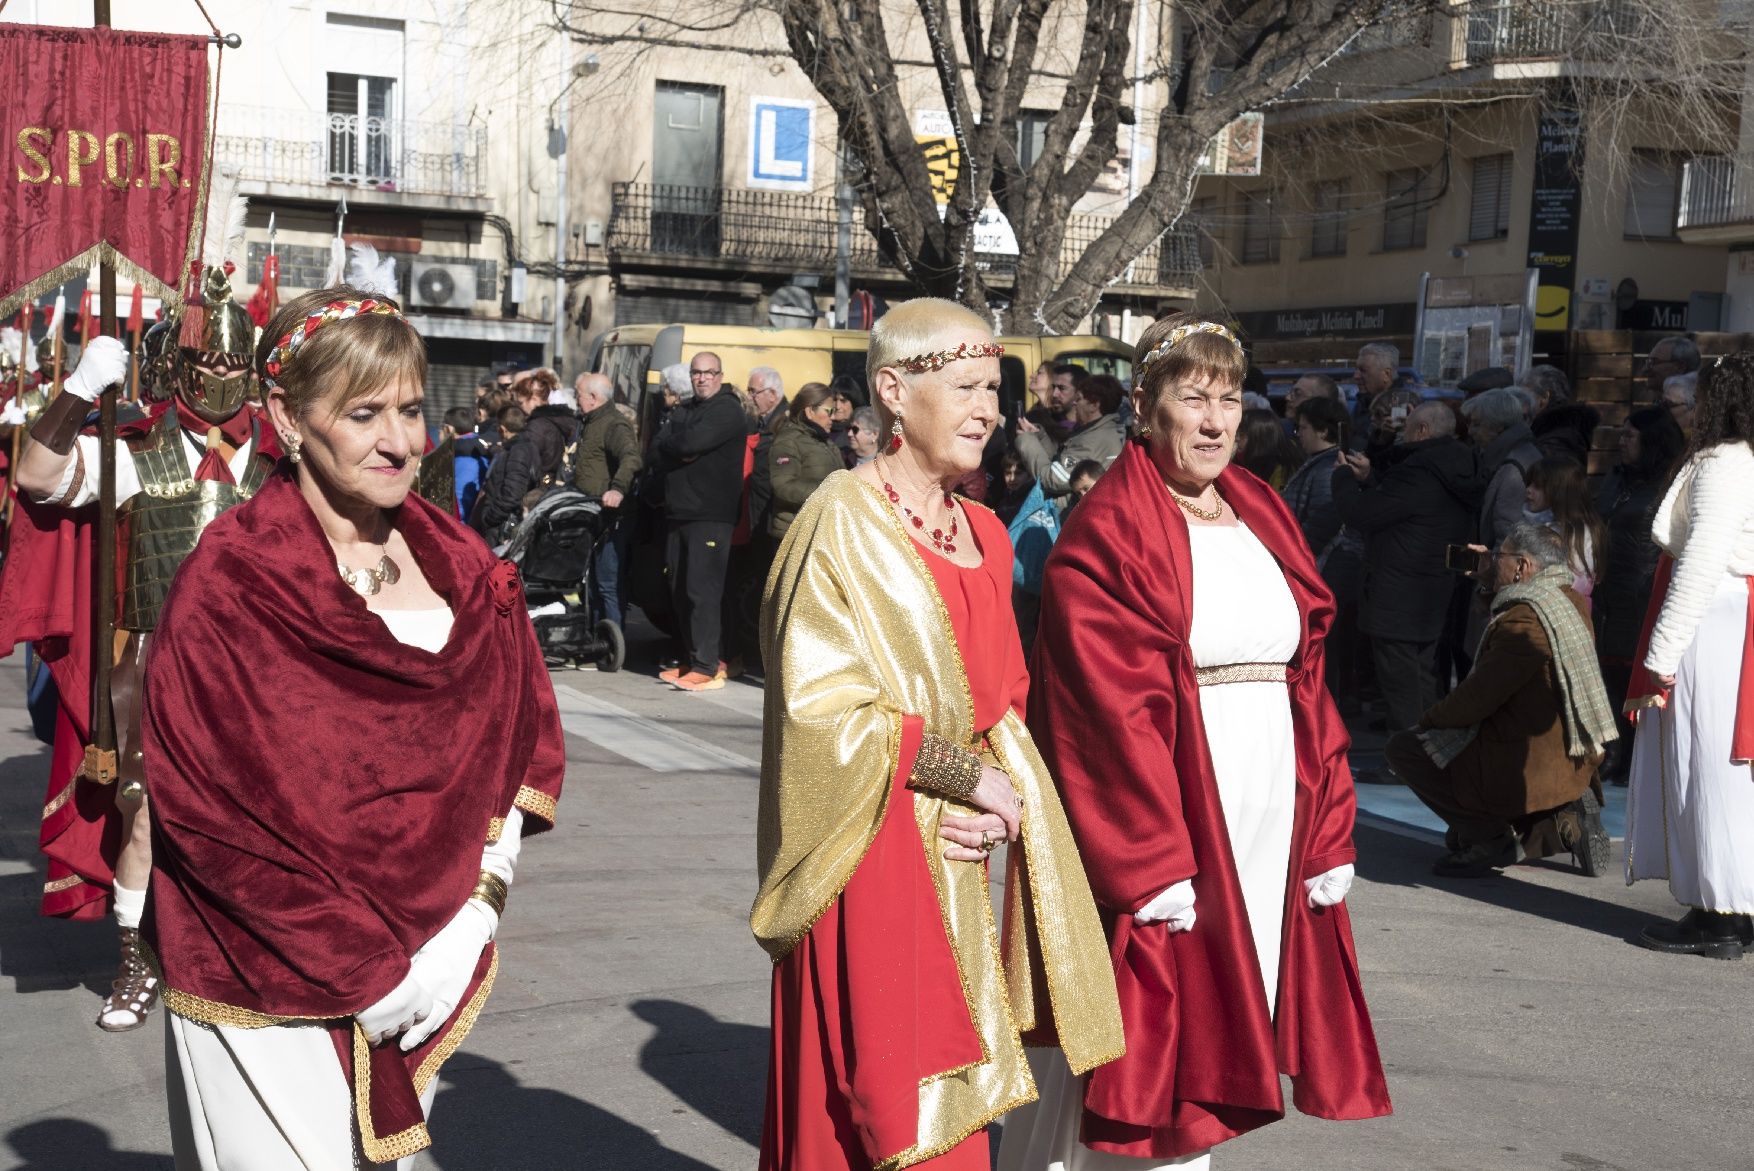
x=343 y=361
x=1199 y=355
x=917 y=327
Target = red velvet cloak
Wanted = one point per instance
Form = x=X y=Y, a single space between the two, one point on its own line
x=46 y=599
x=321 y=793
x=1116 y=713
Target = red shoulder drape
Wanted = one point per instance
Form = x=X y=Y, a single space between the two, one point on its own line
x=869 y=1002
x=1115 y=711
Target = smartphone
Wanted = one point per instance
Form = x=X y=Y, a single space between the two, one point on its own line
x=1345 y=435
x=1399 y=414
x=1462 y=559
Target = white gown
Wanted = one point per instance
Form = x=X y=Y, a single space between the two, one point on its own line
x=1689 y=810
x=274 y=1099
x=1244 y=612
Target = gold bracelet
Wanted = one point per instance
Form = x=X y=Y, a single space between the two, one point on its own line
x=945 y=767
x=491 y=889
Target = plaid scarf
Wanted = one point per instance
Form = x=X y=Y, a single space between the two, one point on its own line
x=1583 y=699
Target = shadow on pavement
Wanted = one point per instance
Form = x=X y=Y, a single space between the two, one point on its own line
x=39 y=954
x=484 y=1119
x=717 y=1067
x=61 y=1144
x=1397 y=861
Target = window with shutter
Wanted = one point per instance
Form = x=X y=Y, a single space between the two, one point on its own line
x=1260 y=231
x=1653 y=188
x=1327 y=235
x=1406 y=205
x=1489 y=212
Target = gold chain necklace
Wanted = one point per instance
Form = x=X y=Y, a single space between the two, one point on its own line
x=366 y=582
x=1216 y=513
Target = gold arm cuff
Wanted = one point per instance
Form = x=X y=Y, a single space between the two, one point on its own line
x=535 y=801
x=491 y=889
x=944 y=766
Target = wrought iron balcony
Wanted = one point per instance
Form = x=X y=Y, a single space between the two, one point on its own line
x=1501 y=31
x=1717 y=191
x=782 y=229
x=315 y=149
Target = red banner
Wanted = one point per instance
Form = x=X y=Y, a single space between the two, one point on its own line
x=105 y=133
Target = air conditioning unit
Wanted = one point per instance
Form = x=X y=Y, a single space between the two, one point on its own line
x=438 y=284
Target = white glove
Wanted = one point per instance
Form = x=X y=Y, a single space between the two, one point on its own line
x=409 y=1003
x=1174 y=906
x=103 y=362
x=12 y=415
x=445 y=964
x=1327 y=889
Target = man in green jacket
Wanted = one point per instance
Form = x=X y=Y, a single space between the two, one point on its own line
x=607 y=461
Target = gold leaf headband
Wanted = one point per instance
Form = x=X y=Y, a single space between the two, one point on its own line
x=938 y=359
x=1180 y=334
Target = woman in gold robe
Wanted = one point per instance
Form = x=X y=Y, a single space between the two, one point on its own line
x=894 y=761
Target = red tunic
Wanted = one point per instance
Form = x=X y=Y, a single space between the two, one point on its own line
x=870 y=1001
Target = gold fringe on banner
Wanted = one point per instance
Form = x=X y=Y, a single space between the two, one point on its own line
x=100 y=253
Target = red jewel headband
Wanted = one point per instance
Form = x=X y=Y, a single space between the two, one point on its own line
x=922 y=363
x=333 y=311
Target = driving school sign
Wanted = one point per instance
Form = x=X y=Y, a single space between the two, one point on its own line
x=105 y=134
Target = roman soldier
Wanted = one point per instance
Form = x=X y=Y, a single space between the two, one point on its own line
x=202 y=449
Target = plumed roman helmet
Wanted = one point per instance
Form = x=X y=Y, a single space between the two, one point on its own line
x=213 y=368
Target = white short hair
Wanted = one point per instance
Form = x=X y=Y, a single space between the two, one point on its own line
x=764 y=376
x=1688 y=384
x=1386 y=353
x=677 y=380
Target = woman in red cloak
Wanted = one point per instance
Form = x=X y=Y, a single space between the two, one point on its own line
x=1179 y=702
x=323 y=920
x=894 y=760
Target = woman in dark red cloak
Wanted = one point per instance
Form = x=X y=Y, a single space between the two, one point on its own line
x=1178 y=699
x=349 y=728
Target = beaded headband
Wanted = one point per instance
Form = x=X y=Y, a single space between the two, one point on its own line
x=922 y=363
x=333 y=311
x=1182 y=333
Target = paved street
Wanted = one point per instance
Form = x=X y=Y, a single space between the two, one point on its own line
x=628 y=1028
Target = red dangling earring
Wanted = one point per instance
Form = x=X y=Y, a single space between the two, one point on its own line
x=895 y=435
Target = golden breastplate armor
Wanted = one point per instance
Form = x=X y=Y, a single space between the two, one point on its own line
x=165 y=520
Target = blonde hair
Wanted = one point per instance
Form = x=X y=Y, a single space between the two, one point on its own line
x=915 y=327
x=342 y=361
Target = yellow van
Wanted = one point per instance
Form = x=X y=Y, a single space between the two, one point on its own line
x=634 y=358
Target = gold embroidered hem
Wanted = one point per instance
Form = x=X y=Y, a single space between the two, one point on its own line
x=60 y=799
x=495 y=827
x=67 y=882
x=388 y=1148
x=537 y=802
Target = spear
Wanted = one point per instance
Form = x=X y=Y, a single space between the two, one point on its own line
x=57 y=346
x=136 y=322
x=24 y=317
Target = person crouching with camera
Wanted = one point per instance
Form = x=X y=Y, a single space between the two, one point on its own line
x=1509 y=759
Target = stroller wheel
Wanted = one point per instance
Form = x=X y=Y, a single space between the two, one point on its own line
x=615 y=652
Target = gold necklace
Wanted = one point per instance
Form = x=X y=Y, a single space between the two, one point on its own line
x=1216 y=513
x=366 y=582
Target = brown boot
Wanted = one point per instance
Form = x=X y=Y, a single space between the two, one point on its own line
x=134 y=990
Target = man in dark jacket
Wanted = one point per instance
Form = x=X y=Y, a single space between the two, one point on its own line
x=607 y=461
x=768 y=391
x=702 y=448
x=1421 y=502
x=536 y=456
x=1560 y=426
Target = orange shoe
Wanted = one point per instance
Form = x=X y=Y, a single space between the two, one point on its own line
x=671 y=674
x=696 y=681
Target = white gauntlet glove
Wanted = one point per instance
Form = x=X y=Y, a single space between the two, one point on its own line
x=1174 y=906
x=447 y=961
x=409 y=1003
x=12 y=415
x=1327 y=889
x=102 y=363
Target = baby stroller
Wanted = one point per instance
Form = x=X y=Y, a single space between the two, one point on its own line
x=554 y=548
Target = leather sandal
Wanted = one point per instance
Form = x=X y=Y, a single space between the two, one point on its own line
x=134 y=990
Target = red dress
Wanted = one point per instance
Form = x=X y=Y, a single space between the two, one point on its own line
x=871 y=997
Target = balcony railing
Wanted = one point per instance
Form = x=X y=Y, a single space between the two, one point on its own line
x=385 y=154
x=783 y=229
x=1520 y=30
x=1716 y=191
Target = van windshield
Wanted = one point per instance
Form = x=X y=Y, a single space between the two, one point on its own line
x=1100 y=362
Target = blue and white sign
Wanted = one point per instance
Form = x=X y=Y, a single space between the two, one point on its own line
x=781 y=148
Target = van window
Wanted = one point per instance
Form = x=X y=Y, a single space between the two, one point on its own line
x=1102 y=362
x=626 y=367
x=1013 y=387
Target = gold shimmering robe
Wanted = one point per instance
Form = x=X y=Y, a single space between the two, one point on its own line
x=855 y=637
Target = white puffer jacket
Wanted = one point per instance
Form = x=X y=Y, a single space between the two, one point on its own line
x=1706 y=522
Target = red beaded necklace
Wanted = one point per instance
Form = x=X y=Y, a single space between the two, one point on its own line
x=941 y=541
